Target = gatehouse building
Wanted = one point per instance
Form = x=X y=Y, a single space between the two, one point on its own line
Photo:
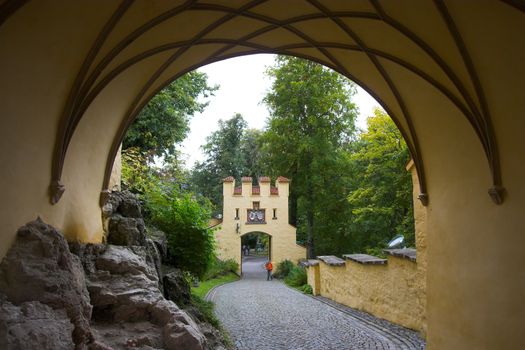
x=257 y=209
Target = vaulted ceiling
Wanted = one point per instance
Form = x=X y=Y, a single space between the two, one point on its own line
x=374 y=43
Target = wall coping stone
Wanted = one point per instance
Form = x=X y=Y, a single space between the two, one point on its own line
x=365 y=259
x=407 y=253
x=331 y=260
x=309 y=262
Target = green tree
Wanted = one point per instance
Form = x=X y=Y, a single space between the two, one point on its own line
x=311 y=122
x=251 y=150
x=232 y=150
x=164 y=121
x=137 y=176
x=381 y=200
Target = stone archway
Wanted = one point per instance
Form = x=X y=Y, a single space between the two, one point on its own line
x=450 y=73
x=258 y=247
x=257 y=243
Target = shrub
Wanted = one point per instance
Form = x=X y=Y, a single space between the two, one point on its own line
x=283 y=269
x=296 y=277
x=184 y=220
x=220 y=268
x=306 y=289
x=377 y=251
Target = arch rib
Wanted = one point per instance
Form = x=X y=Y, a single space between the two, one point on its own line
x=496 y=192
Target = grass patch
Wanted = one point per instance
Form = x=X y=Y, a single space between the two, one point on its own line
x=206 y=307
x=220 y=268
x=205 y=286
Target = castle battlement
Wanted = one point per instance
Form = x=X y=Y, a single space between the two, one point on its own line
x=263 y=189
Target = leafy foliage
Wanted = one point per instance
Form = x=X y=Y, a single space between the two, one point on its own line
x=173 y=210
x=296 y=277
x=220 y=268
x=185 y=222
x=306 y=289
x=137 y=176
x=283 y=269
x=293 y=275
x=232 y=150
x=206 y=309
x=373 y=200
x=164 y=121
x=311 y=121
x=382 y=201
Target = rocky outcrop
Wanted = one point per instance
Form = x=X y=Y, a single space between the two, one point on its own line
x=125 y=227
x=39 y=267
x=214 y=338
x=128 y=307
x=161 y=242
x=123 y=218
x=153 y=258
x=95 y=296
x=33 y=325
x=176 y=288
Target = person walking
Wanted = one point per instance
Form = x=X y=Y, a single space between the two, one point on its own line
x=269 y=269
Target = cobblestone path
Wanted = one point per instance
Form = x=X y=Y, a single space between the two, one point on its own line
x=262 y=314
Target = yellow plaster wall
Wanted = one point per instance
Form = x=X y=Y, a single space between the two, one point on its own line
x=420 y=228
x=41 y=51
x=283 y=235
x=391 y=292
x=314 y=279
x=116 y=172
x=395 y=291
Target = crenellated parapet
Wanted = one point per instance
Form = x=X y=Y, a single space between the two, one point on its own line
x=263 y=188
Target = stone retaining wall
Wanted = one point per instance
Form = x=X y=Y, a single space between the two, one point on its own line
x=393 y=290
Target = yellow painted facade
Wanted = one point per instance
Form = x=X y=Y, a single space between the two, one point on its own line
x=283 y=235
x=391 y=291
x=395 y=291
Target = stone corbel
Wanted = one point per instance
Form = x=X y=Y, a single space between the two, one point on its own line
x=423 y=197
x=497 y=193
x=104 y=196
x=56 y=190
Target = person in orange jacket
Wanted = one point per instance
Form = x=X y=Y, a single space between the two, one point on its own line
x=269 y=269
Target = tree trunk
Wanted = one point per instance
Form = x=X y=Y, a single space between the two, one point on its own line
x=309 y=234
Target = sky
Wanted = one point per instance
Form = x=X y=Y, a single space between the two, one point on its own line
x=243 y=85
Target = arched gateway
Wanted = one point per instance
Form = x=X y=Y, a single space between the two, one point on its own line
x=451 y=73
x=262 y=208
